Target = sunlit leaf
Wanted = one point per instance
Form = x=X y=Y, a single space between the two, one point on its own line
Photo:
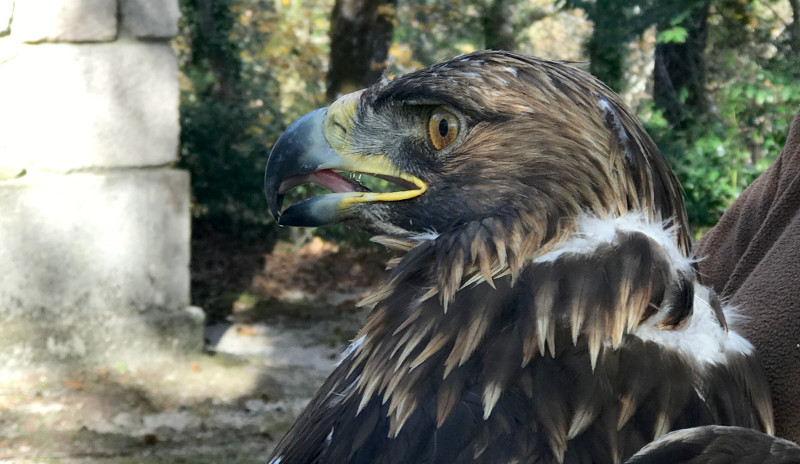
x=675 y=34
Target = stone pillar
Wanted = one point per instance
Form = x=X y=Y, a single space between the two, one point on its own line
x=6 y=8
x=94 y=221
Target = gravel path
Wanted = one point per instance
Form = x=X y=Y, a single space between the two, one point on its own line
x=228 y=405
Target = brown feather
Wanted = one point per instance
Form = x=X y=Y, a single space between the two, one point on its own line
x=467 y=341
x=450 y=393
x=434 y=345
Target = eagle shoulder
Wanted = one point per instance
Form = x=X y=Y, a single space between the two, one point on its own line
x=588 y=351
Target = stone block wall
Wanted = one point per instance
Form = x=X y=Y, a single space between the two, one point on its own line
x=6 y=9
x=94 y=221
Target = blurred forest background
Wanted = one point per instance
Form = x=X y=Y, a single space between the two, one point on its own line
x=716 y=83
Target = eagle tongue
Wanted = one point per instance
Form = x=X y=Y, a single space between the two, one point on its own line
x=336 y=183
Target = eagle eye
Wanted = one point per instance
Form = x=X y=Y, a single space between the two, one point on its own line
x=443 y=127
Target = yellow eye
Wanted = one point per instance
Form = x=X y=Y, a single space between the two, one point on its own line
x=443 y=128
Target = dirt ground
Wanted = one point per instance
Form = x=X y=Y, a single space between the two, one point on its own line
x=277 y=324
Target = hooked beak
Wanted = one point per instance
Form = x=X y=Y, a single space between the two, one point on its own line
x=304 y=155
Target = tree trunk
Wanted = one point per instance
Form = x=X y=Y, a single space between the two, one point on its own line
x=210 y=43
x=680 y=71
x=795 y=27
x=606 y=47
x=361 y=33
x=498 y=28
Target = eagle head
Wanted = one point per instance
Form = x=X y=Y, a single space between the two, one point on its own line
x=486 y=135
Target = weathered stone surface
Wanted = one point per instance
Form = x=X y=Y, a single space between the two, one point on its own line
x=69 y=106
x=154 y=19
x=6 y=9
x=65 y=20
x=95 y=266
x=10 y=171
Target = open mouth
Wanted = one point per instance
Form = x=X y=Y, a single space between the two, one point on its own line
x=333 y=191
x=348 y=181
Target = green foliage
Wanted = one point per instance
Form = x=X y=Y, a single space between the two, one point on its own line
x=619 y=22
x=675 y=34
x=754 y=87
x=428 y=31
x=752 y=83
x=248 y=69
x=719 y=154
x=424 y=30
x=226 y=160
x=712 y=169
x=760 y=104
x=223 y=143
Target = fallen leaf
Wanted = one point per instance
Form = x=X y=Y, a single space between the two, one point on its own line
x=74 y=384
x=246 y=331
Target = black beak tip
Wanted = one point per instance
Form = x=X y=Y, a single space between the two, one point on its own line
x=300 y=150
x=274 y=201
x=276 y=209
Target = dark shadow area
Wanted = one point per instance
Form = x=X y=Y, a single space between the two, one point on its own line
x=224 y=261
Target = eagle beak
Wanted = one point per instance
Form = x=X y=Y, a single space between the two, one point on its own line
x=305 y=154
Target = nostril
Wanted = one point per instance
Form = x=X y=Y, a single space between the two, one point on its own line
x=336 y=134
x=340 y=118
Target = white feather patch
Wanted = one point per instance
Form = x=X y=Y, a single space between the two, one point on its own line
x=425 y=236
x=593 y=232
x=702 y=339
x=351 y=349
x=608 y=110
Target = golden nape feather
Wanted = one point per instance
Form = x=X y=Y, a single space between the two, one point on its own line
x=543 y=305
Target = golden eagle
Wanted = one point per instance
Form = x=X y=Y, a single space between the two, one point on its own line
x=543 y=306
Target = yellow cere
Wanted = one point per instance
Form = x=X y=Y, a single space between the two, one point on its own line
x=338 y=124
x=339 y=121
